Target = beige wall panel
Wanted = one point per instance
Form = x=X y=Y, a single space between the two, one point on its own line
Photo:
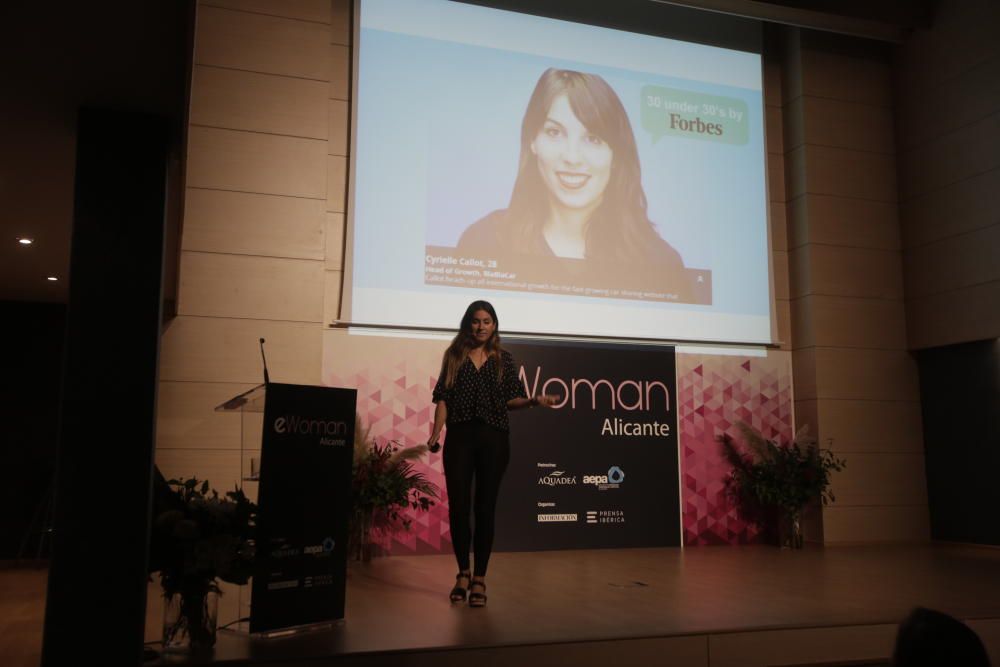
x=336 y=184
x=847 y=78
x=779 y=226
x=954 y=157
x=338 y=126
x=773 y=129
x=331 y=296
x=340 y=22
x=807 y=416
x=772 y=81
x=848 y=173
x=783 y=315
x=880 y=478
x=872 y=426
x=261 y=288
x=221 y=467
x=953 y=263
x=794 y=131
x=795 y=173
x=214 y=349
x=799 y=272
x=258 y=43
x=304 y=10
x=880 y=375
x=780 y=263
x=962 y=316
x=261 y=163
x=849 y=125
x=956 y=43
x=334 y=241
x=259 y=102
x=861 y=272
x=340 y=72
x=955 y=209
x=801 y=646
x=185 y=416
x=776 y=177
x=891 y=523
x=251 y=224
x=804 y=373
x=830 y=220
x=803 y=331
x=834 y=321
x=971 y=96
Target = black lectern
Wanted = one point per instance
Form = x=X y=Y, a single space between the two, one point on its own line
x=303 y=498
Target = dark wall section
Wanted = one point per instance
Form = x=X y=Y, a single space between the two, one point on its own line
x=960 y=395
x=31 y=339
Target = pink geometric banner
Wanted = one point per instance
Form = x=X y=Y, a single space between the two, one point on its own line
x=715 y=393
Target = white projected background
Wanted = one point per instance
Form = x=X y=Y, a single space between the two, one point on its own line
x=438 y=215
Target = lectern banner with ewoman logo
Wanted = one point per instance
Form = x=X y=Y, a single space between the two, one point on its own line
x=600 y=469
x=304 y=502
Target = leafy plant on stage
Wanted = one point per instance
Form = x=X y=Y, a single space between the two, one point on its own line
x=199 y=538
x=385 y=484
x=775 y=481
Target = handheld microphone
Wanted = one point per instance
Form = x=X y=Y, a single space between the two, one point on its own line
x=435 y=448
x=267 y=379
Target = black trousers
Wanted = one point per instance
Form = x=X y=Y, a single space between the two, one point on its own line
x=474 y=452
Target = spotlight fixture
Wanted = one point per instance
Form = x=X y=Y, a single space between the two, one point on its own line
x=24 y=240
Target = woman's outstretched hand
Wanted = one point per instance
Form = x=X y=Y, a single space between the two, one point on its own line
x=546 y=400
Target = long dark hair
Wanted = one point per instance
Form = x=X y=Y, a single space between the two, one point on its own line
x=464 y=341
x=619 y=228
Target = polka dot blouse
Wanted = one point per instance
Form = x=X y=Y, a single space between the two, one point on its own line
x=479 y=394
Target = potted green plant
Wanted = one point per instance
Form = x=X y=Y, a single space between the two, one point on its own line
x=385 y=484
x=198 y=538
x=772 y=483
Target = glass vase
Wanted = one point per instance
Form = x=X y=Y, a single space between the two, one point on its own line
x=190 y=620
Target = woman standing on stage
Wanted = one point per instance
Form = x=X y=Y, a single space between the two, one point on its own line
x=478 y=384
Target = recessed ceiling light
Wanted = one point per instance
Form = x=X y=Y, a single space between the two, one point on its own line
x=23 y=240
x=52 y=278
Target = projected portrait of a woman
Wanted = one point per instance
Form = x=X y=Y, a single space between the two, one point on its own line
x=578 y=193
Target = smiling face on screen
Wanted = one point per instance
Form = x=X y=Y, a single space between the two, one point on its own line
x=573 y=162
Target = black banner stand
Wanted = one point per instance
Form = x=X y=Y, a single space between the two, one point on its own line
x=303 y=472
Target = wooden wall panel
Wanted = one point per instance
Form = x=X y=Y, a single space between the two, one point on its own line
x=850 y=125
x=804 y=373
x=186 y=417
x=340 y=22
x=304 y=10
x=212 y=349
x=776 y=177
x=953 y=263
x=773 y=87
x=802 y=646
x=954 y=209
x=262 y=288
x=261 y=163
x=970 y=314
x=773 y=130
x=848 y=173
x=794 y=130
x=846 y=78
x=783 y=318
x=872 y=426
x=780 y=263
x=334 y=241
x=840 y=271
x=843 y=221
x=221 y=467
x=834 y=321
x=888 y=523
x=880 y=478
x=259 y=43
x=779 y=226
x=239 y=100
x=253 y=224
x=336 y=185
x=338 y=126
x=866 y=374
x=962 y=154
x=340 y=72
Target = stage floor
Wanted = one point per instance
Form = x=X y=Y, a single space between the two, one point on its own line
x=698 y=606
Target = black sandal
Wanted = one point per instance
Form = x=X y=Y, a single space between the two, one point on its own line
x=458 y=592
x=476 y=598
